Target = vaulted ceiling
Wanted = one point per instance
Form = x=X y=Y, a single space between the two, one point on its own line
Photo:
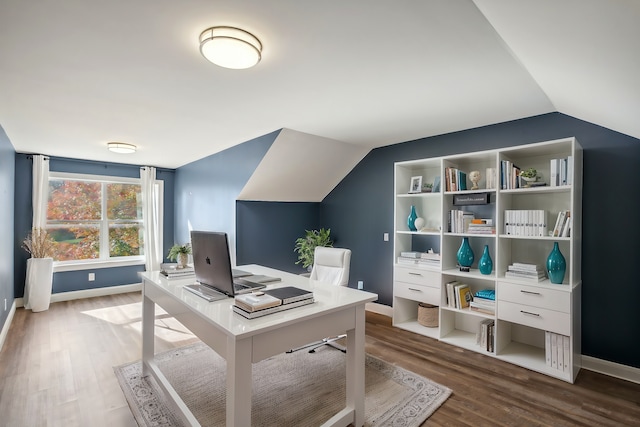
x=75 y=74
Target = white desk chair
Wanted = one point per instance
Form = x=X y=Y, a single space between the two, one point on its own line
x=330 y=265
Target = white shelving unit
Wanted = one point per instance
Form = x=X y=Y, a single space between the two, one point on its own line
x=525 y=310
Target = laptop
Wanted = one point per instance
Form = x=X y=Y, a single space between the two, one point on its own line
x=212 y=266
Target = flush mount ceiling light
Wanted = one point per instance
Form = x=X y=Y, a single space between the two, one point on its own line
x=230 y=47
x=121 y=147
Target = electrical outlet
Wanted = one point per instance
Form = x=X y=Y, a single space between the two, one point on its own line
x=92 y=277
x=385 y=237
x=5 y=304
x=360 y=284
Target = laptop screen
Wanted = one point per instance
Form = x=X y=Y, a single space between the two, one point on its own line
x=211 y=260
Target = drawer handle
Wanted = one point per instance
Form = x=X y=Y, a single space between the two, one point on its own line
x=415 y=274
x=529 y=292
x=415 y=290
x=530 y=313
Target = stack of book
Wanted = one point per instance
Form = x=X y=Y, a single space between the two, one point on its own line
x=484 y=301
x=563 y=224
x=481 y=226
x=171 y=271
x=459 y=220
x=557 y=351
x=485 y=334
x=270 y=301
x=519 y=270
x=408 y=258
x=429 y=258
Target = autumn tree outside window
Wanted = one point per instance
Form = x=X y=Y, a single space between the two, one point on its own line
x=95 y=218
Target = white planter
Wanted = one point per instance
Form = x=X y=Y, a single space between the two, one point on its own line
x=38 y=283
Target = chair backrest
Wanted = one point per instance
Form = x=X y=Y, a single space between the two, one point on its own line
x=331 y=265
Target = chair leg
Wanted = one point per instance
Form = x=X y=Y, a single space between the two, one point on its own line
x=331 y=342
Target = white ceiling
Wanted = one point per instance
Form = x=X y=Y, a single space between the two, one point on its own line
x=75 y=74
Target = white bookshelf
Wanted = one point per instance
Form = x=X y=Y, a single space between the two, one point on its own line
x=524 y=309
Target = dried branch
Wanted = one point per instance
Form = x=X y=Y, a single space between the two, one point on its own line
x=39 y=243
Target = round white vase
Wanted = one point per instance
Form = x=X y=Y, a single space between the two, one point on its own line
x=419 y=223
x=38 y=284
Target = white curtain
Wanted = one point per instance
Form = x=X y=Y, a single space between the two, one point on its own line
x=151 y=218
x=39 y=197
x=40 y=190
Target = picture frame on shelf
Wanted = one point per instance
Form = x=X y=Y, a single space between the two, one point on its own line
x=436 y=185
x=416 y=184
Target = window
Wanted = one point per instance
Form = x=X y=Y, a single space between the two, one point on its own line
x=95 y=218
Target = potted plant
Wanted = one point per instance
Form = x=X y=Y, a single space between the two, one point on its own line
x=39 y=277
x=180 y=253
x=529 y=174
x=306 y=246
x=427 y=187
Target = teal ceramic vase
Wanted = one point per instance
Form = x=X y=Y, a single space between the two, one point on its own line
x=485 y=265
x=465 y=253
x=411 y=221
x=556 y=265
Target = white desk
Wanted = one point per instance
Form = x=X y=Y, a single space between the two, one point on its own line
x=242 y=341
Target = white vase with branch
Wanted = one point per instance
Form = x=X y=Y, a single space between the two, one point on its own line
x=39 y=277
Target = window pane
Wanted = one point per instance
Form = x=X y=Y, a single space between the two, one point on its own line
x=76 y=242
x=74 y=200
x=124 y=201
x=125 y=239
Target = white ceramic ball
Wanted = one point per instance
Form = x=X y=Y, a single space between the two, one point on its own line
x=419 y=223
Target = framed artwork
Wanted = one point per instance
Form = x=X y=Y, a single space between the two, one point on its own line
x=416 y=184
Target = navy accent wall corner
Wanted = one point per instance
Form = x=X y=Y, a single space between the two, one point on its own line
x=7 y=201
x=206 y=190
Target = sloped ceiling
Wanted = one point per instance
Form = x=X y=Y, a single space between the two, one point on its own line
x=75 y=74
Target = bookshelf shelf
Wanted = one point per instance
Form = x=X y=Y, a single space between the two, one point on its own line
x=517 y=338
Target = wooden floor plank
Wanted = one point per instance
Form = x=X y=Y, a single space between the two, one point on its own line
x=56 y=369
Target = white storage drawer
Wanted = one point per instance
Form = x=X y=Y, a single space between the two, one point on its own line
x=418 y=276
x=417 y=292
x=550 y=299
x=536 y=317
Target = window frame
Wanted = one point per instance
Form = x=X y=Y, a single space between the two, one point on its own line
x=91 y=264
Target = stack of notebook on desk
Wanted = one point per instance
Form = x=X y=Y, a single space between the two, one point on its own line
x=270 y=301
x=172 y=271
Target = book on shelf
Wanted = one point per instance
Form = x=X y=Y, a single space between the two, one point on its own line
x=407 y=261
x=485 y=334
x=524 y=271
x=289 y=294
x=430 y=255
x=557 y=351
x=451 y=296
x=410 y=254
x=490 y=178
x=463 y=295
x=532 y=278
x=561 y=220
x=488 y=294
x=528 y=267
x=256 y=301
x=267 y=311
x=482 y=308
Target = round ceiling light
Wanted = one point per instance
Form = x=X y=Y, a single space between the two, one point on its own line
x=121 y=147
x=230 y=47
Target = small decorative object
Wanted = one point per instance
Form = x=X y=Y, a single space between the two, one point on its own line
x=428 y=315
x=529 y=175
x=411 y=220
x=416 y=184
x=427 y=187
x=419 y=223
x=436 y=185
x=306 y=246
x=39 y=277
x=474 y=177
x=465 y=255
x=180 y=253
x=485 y=264
x=556 y=265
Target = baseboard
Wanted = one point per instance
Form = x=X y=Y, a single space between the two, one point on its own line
x=612 y=369
x=7 y=324
x=379 y=308
x=89 y=293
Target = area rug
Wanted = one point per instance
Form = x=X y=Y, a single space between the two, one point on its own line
x=298 y=389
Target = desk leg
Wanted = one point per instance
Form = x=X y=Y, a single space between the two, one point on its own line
x=355 y=367
x=239 y=382
x=148 y=332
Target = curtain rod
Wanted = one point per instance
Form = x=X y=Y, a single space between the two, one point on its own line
x=95 y=162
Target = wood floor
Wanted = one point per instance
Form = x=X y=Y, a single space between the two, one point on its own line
x=56 y=369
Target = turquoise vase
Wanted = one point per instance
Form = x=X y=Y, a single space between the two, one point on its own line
x=556 y=265
x=411 y=221
x=465 y=253
x=485 y=265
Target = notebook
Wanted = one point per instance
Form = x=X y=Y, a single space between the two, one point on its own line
x=212 y=265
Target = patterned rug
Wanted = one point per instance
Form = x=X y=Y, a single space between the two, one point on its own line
x=298 y=389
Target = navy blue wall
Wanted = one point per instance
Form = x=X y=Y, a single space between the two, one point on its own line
x=267 y=232
x=78 y=280
x=7 y=179
x=611 y=234
x=206 y=190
